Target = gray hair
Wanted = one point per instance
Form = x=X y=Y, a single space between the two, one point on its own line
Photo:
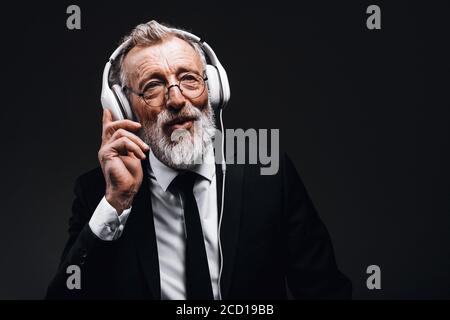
x=147 y=34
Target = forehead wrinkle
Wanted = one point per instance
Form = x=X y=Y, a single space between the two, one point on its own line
x=181 y=55
x=149 y=63
x=146 y=67
x=165 y=58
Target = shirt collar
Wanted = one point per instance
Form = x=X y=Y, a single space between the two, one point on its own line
x=164 y=174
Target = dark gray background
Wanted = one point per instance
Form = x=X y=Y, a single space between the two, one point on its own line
x=364 y=115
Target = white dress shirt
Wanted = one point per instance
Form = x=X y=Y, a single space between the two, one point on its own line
x=168 y=216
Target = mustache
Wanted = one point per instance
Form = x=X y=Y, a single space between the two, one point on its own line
x=180 y=119
x=188 y=113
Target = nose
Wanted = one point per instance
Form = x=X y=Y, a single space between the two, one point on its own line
x=175 y=99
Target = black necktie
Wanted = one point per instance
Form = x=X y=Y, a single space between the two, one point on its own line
x=198 y=280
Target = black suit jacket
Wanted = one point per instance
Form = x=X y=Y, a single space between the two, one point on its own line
x=272 y=238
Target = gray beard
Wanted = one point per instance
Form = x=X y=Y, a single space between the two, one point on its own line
x=182 y=150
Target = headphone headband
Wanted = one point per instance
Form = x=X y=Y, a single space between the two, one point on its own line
x=205 y=47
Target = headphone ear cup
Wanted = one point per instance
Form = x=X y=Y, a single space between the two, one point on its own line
x=124 y=104
x=110 y=102
x=214 y=86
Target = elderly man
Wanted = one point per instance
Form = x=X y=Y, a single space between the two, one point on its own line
x=146 y=225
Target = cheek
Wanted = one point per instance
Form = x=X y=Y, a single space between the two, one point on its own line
x=145 y=113
x=202 y=101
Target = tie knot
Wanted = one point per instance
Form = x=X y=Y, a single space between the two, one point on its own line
x=184 y=181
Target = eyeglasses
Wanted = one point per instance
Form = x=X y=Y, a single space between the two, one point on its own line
x=155 y=92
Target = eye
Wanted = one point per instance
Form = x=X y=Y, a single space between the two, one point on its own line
x=191 y=81
x=188 y=77
x=153 y=84
x=153 y=89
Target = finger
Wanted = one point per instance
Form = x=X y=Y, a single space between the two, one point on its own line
x=123 y=133
x=122 y=124
x=124 y=145
x=111 y=127
x=126 y=124
x=107 y=117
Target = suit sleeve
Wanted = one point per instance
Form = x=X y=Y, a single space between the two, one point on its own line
x=87 y=252
x=311 y=269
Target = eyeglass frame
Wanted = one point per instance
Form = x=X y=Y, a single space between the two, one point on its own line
x=166 y=94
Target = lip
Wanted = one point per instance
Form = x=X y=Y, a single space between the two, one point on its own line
x=183 y=123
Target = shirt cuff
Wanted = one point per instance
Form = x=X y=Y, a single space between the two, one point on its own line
x=105 y=223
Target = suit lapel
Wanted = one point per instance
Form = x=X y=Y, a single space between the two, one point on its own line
x=145 y=237
x=229 y=231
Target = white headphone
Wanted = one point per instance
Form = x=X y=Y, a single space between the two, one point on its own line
x=114 y=99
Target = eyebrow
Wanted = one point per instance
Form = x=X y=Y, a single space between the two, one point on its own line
x=157 y=74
